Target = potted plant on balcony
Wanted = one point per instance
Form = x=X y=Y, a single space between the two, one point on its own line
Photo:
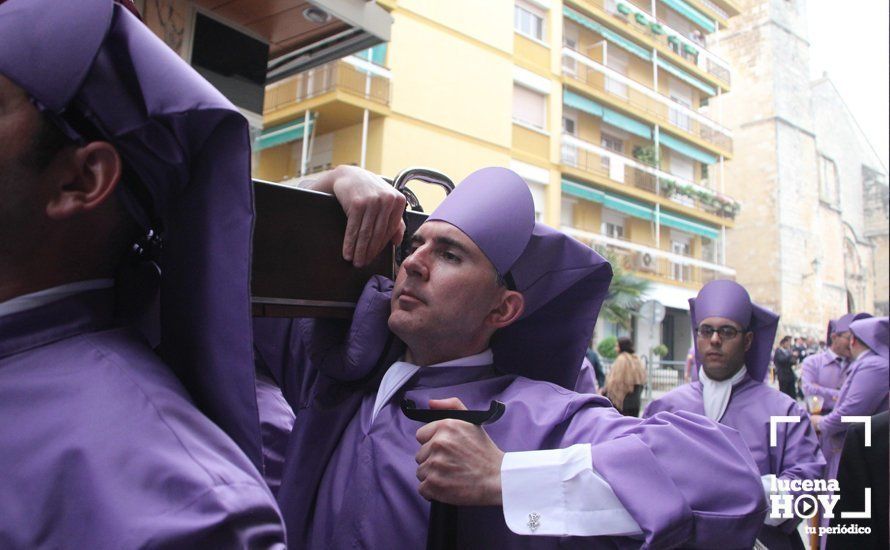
x=623 y=9
x=645 y=154
x=690 y=50
x=672 y=39
x=641 y=19
x=668 y=187
x=656 y=28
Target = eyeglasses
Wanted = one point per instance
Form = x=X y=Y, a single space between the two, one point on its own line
x=726 y=332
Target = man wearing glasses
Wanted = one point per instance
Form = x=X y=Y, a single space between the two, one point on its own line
x=733 y=340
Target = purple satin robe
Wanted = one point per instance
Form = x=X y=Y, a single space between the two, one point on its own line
x=822 y=374
x=276 y=423
x=351 y=483
x=864 y=393
x=101 y=447
x=796 y=456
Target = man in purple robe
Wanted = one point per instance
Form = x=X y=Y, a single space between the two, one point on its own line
x=492 y=305
x=733 y=341
x=823 y=372
x=865 y=390
x=106 y=135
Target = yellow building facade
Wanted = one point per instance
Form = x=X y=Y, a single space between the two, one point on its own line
x=601 y=106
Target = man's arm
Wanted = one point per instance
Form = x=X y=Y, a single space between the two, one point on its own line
x=867 y=388
x=660 y=475
x=809 y=384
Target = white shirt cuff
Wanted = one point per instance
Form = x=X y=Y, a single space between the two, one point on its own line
x=557 y=493
x=768 y=481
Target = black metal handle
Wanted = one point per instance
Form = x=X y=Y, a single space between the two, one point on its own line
x=442 y=533
x=494 y=412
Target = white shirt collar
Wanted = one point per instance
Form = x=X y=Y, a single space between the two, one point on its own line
x=400 y=371
x=53 y=294
x=716 y=393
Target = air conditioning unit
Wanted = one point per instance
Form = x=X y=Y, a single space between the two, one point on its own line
x=644 y=261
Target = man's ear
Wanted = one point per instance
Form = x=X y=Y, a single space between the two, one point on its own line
x=85 y=177
x=749 y=339
x=508 y=310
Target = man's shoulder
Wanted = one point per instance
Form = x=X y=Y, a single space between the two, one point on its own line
x=676 y=398
x=768 y=398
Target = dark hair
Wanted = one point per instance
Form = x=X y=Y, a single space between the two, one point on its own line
x=784 y=339
x=625 y=345
x=48 y=141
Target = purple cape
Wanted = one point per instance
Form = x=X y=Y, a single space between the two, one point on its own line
x=101 y=446
x=98 y=73
x=751 y=404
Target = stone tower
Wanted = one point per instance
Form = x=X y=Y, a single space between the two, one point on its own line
x=788 y=244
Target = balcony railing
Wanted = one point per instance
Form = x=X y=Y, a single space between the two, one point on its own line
x=351 y=75
x=693 y=50
x=652 y=261
x=618 y=168
x=667 y=111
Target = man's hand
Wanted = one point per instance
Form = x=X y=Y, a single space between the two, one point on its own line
x=458 y=463
x=373 y=211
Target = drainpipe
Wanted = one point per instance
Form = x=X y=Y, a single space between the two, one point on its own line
x=304 y=163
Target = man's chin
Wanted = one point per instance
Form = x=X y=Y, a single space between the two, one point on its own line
x=717 y=372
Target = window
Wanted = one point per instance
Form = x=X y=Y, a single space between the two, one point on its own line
x=538 y=192
x=828 y=182
x=709 y=250
x=616 y=60
x=528 y=21
x=682 y=94
x=570 y=41
x=529 y=107
x=612 y=143
x=567 y=212
x=682 y=166
x=613 y=224
x=681 y=245
x=570 y=127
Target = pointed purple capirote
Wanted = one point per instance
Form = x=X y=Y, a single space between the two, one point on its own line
x=99 y=73
x=844 y=321
x=874 y=332
x=728 y=299
x=563 y=281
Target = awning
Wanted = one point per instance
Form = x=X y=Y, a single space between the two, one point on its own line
x=692 y=14
x=685 y=148
x=686 y=77
x=289 y=131
x=609 y=116
x=626 y=206
x=636 y=209
x=683 y=224
x=608 y=34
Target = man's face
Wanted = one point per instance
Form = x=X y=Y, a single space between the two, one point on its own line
x=444 y=290
x=840 y=344
x=23 y=196
x=722 y=353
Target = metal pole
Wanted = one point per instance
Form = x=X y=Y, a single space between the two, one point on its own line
x=657 y=190
x=366 y=115
x=304 y=162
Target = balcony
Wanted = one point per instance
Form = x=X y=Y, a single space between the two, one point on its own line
x=338 y=92
x=666 y=111
x=638 y=20
x=616 y=168
x=653 y=263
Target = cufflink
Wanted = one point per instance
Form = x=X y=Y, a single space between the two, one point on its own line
x=534 y=521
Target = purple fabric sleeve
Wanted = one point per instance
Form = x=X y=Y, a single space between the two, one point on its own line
x=674 y=486
x=809 y=380
x=867 y=389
